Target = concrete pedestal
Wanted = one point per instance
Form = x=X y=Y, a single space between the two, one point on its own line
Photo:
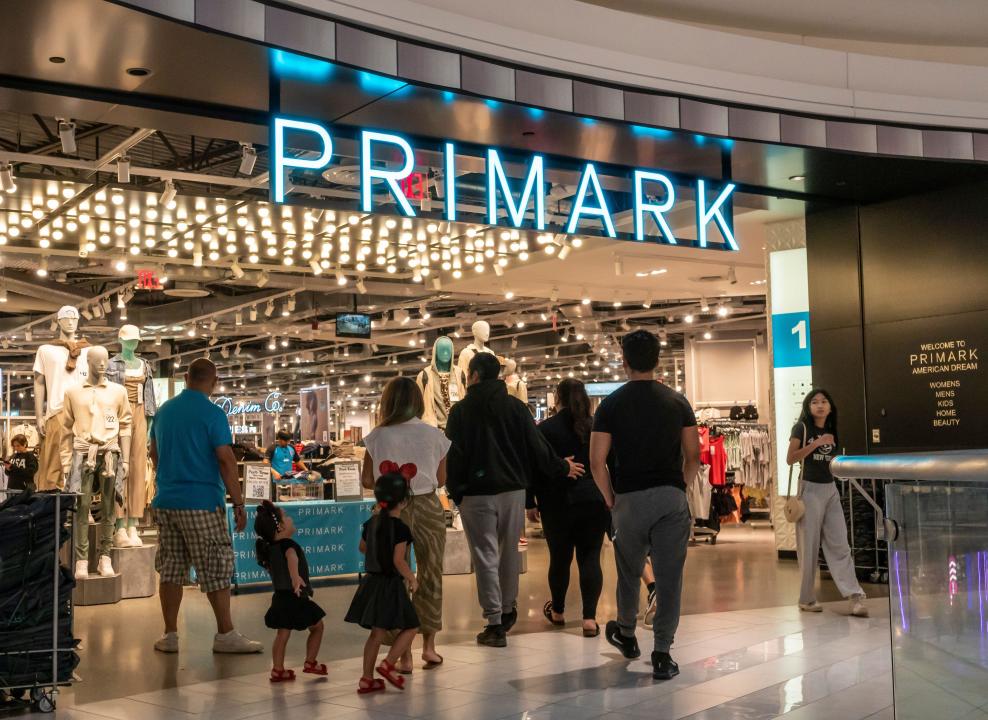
x=457 y=560
x=136 y=567
x=98 y=590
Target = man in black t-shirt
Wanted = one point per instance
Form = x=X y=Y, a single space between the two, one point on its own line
x=651 y=431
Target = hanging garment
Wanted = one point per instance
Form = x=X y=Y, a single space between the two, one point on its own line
x=718 y=462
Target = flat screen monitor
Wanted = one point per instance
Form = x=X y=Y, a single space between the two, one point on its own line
x=353 y=325
x=602 y=389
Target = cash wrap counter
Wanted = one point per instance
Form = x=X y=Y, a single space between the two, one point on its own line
x=327 y=530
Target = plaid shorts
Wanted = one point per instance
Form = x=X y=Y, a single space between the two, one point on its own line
x=197 y=539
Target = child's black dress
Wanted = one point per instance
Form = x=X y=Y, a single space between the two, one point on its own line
x=288 y=611
x=382 y=599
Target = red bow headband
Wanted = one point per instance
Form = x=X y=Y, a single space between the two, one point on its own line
x=407 y=471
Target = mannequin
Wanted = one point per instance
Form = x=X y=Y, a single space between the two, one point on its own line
x=134 y=373
x=481 y=334
x=57 y=367
x=441 y=384
x=516 y=386
x=96 y=438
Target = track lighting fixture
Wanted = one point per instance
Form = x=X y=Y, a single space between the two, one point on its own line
x=7 y=183
x=66 y=134
x=704 y=305
x=236 y=270
x=263 y=279
x=237 y=350
x=248 y=157
x=340 y=278
x=618 y=266
x=269 y=309
x=723 y=311
x=315 y=266
x=361 y=286
x=123 y=169
x=291 y=303
x=564 y=251
x=688 y=318
x=253 y=313
x=498 y=270
x=157 y=340
x=28 y=335
x=168 y=194
x=42 y=270
x=647 y=303
x=238 y=318
x=85 y=312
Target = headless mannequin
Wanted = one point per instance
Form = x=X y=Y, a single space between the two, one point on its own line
x=516 y=386
x=481 y=334
x=99 y=458
x=441 y=384
x=51 y=367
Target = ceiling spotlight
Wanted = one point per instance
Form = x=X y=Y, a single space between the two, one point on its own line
x=340 y=278
x=269 y=309
x=618 y=266
x=291 y=303
x=708 y=335
x=361 y=286
x=437 y=284
x=43 y=267
x=647 y=303
x=263 y=279
x=66 y=133
x=723 y=311
x=253 y=313
x=704 y=305
x=85 y=312
x=316 y=267
x=564 y=251
x=28 y=335
x=238 y=272
x=7 y=183
x=168 y=194
x=688 y=318
x=248 y=157
x=585 y=300
x=797 y=178
x=123 y=169
x=732 y=275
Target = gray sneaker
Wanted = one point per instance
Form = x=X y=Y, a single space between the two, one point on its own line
x=858 y=607
x=235 y=643
x=167 y=643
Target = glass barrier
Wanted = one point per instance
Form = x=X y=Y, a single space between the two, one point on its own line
x=937 y=511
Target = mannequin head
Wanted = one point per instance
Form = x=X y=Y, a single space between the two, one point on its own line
x=98 y=359
x=442 y=353
x=130 y=338
x=509 y=367
x=68 y=320
x=481 y=331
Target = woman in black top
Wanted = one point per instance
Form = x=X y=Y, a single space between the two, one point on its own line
x=813 y=444
x=573 y=513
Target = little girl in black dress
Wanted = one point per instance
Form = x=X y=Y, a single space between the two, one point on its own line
x=292 y=607
x=382 y=602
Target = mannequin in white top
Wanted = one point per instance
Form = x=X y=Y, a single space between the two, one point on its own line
x=57 y=367
x=516 y=386
x=481 y=335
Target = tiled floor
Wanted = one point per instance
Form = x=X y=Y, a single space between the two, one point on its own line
x=742 y=665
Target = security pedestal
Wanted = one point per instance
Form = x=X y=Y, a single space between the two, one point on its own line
x=97 y=590
x=457 y=560
x=136 y=566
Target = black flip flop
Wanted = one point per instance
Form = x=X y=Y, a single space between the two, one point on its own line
x=547 y=611
x=592 y=633
x=432 y=664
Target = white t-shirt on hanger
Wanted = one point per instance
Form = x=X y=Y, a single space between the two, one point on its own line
x=413 y=442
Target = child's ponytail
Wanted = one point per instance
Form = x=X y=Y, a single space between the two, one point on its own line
x=390 y=490
x=266 y=525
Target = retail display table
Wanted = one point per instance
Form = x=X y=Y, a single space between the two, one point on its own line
x=327 y=530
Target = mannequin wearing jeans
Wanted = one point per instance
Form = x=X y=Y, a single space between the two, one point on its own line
x=813 y=443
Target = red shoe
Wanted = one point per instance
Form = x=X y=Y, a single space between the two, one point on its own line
x=370 y=685
x=390 y=673
x=278 y=676
x=314 y=667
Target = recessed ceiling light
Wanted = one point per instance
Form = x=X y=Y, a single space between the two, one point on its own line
x=797 y=178
x=138 y=71
x=57 y=59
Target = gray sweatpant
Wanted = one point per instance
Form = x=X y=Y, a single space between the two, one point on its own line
x=493 y=525
x=823 y=524
x=654 y=522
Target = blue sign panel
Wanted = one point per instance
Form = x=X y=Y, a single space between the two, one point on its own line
x=791 y=340
x=328 y=531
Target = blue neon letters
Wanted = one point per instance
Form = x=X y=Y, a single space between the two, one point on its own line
x=524 y=208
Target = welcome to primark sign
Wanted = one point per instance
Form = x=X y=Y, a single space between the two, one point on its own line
x=653 y=194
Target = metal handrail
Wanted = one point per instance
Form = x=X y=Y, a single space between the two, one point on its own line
x=951 y=466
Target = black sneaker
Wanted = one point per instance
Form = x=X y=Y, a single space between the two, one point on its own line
x=627 y=645
x=493 y=636
x=663 y=666
x=508 y=620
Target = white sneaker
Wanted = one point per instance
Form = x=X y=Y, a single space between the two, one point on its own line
x=858 y=607
x=167 y=643
x=81 y=569
x=121 y=539
x=135 y=538
x=235 y=643
x=105 y=567
x=813 y=607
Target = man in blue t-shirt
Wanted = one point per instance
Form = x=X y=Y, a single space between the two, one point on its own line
x=195 y=470
x=282 y=456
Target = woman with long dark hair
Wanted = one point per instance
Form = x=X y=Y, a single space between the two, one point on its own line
x=403 y=440
x=813 y=443
x=574 y=516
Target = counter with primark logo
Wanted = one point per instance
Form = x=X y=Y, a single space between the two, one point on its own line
x=328 y=531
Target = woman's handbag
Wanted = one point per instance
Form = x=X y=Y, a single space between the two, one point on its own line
x=795 y=508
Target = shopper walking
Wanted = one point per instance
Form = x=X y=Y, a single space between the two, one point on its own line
x=813 y=444
x=292 y=607
x=381 y=604
x=651 y=431
x=402 y=439
x=195 y=470
x=496 y=447
x=573 y=514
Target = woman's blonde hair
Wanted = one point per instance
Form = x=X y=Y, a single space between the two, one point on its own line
x=400 y=402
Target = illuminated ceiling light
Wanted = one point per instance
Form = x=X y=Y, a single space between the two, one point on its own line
x=647 y=303
x=708 y=335
x=498 y=270
x=7 y=183
x=688 y=318
x=316 y=267
x=121 y=264
x=252 y=313
x=361 y=286
x=340 y=278
x=123 y=169
x=564 y=251
x=723 y=311
x=66 y=134
x=248 y=156
x=704 y=305
x=42 y=270
x=509 y=294
x=238 y=318
x=797 y=178
x=291 y=303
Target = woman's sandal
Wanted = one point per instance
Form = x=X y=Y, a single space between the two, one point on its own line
x=278 y=676
x=432 y=664
x=391 y=674
x=314 y=667
x=370 y=685
x=547 y=611
x=592 y=633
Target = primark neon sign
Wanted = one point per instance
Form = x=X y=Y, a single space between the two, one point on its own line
x=590 y=200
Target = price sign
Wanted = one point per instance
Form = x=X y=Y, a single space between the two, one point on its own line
x=257 y=481
x=347 y=486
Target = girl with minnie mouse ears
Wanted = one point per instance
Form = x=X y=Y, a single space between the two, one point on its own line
x=382 y=603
